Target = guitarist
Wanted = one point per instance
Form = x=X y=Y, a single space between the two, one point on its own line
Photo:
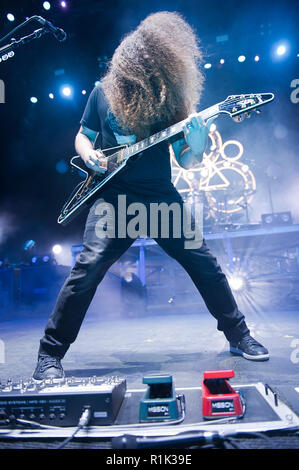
x=153 y=81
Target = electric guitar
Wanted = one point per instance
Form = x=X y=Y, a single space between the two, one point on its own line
x=236 y=106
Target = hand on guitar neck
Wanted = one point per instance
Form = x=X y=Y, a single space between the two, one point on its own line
x=196 y=134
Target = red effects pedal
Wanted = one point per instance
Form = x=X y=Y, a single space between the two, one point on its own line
x=219 y=399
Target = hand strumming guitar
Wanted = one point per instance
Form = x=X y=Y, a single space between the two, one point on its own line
x=95 y=160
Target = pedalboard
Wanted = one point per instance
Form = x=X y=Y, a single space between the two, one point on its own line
x=60 y=403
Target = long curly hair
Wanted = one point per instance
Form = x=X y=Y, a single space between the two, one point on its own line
x=154 y=76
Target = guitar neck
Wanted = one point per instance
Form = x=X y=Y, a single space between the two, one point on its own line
x=168 y=132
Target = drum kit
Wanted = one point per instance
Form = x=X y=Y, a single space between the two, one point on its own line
x=222 y=206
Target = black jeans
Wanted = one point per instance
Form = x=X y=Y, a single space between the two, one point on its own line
x=99 y=254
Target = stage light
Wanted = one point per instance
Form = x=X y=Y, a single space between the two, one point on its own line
x=46 y=259
x=237 y=283
x=51 y=96
x=63 y=4
x=222 y=61
x=257 y=58
x=207 y=66
x=276 y=219
x=33 y=99
x=57 y=249
x=34 y=259
x=66 y=91
x=281 y=50
x=128 y=276
x=28 y=245
x=10 y=17
x=47 y=5
x=61 y=167
x=83 y=92
x=241 y=58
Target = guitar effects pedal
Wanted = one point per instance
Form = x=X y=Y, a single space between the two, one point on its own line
x=219 y=399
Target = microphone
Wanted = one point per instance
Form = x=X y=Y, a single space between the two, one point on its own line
x=199 y=438
x=58 y=33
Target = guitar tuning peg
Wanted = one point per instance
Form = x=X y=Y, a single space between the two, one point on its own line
x=238 y=118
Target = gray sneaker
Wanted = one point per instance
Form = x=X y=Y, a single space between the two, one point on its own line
x=48 y=367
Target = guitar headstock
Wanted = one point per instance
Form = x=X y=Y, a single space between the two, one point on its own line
x=239 y=106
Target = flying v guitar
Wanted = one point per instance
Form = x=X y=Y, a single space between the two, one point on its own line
x=236 y=106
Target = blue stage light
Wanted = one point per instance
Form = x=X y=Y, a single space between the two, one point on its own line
x=66 y=91
x=34 y=260
x=63 y=4
x=281 y=50
x=207 y=66
x=61 y=167
x=241 y=58
x=51 y=96
x=257 y=58
x=28 y=245
x=83 y=92
x=33 y=99
x=237 y=283
x=57 y=249
x=10 y=17
x=47 y=5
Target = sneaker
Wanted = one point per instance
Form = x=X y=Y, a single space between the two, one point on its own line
x=48 y=367
x=249 y=348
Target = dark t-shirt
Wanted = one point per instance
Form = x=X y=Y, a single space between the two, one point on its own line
x=151 y=172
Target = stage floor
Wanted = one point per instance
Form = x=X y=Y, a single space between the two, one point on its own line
x=181 y=345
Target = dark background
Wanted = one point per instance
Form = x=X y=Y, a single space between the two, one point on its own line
x=35 y=137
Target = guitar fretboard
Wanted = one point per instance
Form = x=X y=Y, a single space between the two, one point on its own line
x=154 y=139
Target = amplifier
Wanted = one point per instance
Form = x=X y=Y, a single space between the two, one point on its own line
x=60 y=403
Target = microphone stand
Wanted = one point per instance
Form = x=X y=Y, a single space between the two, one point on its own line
x=269 y=184
x=7 y=50
x=16 y=43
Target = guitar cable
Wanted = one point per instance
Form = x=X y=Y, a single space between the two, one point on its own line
x=83 y=421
